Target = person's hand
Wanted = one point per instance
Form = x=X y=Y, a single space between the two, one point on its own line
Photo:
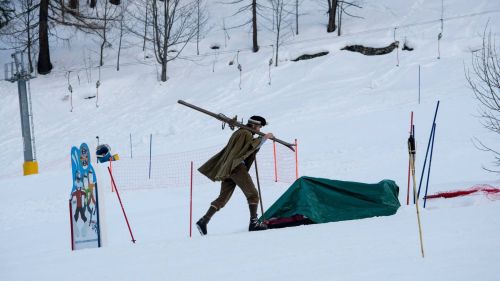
x=268 y=136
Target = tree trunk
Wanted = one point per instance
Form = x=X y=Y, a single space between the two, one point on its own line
x=332 y=11
x=339 y=16
x=30 y=60
x=145 y=28
x=166 y=20
x=93 y=3
x=104 y=39
x=44 y=64
x=164 y=71
x=297 y=17
x=28 y=32
x=254 y=26
x=198 y=28
x=120 y=44
x=277 y=48
x=73 y=4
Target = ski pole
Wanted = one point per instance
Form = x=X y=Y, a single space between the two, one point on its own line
x=258 y=186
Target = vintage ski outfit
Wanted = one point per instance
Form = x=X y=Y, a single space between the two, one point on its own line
x=231 y=166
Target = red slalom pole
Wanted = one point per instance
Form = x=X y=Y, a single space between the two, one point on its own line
x=119 y=199
x=71 y=224
x=191 y=204
x=409 y=164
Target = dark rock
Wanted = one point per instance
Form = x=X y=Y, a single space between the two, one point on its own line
x=369 y=51
x=308 y=57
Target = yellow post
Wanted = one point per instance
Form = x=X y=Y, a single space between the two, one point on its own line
x=412 y=165
x=30 y=168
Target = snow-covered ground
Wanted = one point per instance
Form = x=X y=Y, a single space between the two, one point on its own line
x=349 y=112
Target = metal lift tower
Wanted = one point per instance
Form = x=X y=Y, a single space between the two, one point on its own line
x=19 y=74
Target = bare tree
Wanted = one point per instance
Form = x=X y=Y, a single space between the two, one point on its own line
x=97 y=19
x=201 y=19
x=281 y=10
x=342 y=8
x=297 y=4
x=255 y=9
x=138 y=20
x=6 y=12
x=22 y=31
x=110 y=15
x=120 y=43
x=335 y=10
x=484 y=80
x=174 y=25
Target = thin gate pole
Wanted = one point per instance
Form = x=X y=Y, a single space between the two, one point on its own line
x=430 y=162
x=191 y=203
x=258 y=186
x=275 y=163
x=409 y=164
x=419 y=84
x=150 y=149
x=296 y=159
x=427 y=151
x=131 y=146
x=123 y=209
x=71 y=224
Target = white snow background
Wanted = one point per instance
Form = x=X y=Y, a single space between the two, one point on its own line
x=350 y=113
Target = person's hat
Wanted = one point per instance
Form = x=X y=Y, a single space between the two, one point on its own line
x=257 y=120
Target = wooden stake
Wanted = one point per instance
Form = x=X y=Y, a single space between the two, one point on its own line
x=412 y=165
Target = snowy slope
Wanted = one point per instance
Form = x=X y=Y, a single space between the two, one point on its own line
x=349 y=112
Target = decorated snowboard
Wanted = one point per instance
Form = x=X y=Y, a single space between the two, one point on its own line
x=83 y=202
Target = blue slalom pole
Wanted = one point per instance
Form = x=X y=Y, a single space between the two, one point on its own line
x=430 y=162
x=150 y=148
x=427 y=151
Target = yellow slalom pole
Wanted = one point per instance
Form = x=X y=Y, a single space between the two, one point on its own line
x=412 y=166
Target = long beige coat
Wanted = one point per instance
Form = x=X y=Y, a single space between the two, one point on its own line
x=241 y=147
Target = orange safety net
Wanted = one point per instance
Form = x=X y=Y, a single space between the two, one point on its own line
x=174 y=169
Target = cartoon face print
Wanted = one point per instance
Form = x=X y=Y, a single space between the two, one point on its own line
x=84 y=157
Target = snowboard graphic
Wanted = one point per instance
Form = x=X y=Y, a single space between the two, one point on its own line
x=83 y=201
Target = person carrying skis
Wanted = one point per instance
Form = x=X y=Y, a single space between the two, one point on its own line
x=231 y=166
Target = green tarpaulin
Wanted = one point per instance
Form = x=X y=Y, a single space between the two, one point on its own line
x=323 y=200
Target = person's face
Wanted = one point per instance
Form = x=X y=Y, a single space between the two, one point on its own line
x=257 y=127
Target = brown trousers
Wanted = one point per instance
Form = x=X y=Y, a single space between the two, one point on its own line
x=239 y=177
